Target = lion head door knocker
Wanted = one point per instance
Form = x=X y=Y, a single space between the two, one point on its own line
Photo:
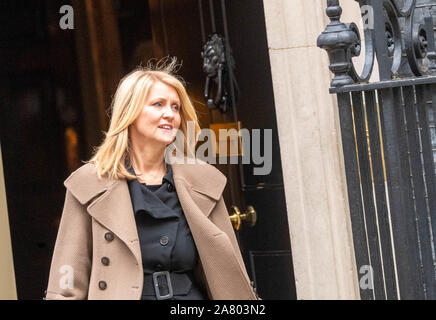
x=215 y=66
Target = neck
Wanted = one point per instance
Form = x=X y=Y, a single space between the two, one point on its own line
x=147 y=158
x=146 y=161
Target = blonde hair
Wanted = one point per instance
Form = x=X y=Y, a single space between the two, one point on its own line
x=110 y=157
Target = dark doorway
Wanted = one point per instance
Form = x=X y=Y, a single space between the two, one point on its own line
x=45 y=132
x=180 y=29
x=40 y=131
x=46 y=128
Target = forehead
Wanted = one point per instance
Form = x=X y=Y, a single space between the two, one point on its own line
x=162 y=90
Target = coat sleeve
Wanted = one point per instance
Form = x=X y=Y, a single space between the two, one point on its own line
x=71 y=262
x=220 y=217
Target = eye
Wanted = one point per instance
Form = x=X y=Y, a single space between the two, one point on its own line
x=176 y=107
x=157 y=104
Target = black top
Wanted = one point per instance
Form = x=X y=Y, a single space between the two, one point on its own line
x=165 y=238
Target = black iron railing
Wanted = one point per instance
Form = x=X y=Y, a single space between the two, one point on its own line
x=388 y=138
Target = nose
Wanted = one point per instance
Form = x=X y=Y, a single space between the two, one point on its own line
x=168 y=112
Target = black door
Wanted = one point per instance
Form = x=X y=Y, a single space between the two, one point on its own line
x=180 y=28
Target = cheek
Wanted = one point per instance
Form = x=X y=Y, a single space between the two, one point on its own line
x=147 y=117
x=177 y=121
x=142 y=123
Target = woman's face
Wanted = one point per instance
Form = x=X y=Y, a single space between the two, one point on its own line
x=160 y=116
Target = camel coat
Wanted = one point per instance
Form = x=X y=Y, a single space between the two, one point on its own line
x=98 y=222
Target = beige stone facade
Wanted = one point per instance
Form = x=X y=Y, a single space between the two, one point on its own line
x=312 y=159
x=8 y=290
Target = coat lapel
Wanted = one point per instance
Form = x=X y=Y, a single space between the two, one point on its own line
x=204 y=182
x=113 y=209
x=199 y=187
x=108 y=202
x=218 y=259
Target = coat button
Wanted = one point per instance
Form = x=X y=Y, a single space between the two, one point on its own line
x=164 y=240
x=109 y=236
x=105 y=261
x=170 y=187
x=102 y=285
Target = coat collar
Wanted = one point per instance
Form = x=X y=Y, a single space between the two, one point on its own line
x=167 y=177
x=199 y=187
x=108 y=200
x=199 y=177
x=146 y=200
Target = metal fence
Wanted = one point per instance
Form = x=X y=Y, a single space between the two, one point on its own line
x=389 y=142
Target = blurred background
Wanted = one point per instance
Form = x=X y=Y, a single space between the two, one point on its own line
x=55 y=91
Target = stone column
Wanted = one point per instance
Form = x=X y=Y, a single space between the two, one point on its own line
x=8 y=290
x=311 y=150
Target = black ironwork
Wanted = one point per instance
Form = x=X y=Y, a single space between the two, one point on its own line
x=214 y=64
x=210 y=67
x=339 y=40
x=399 y=31
x=389 y=154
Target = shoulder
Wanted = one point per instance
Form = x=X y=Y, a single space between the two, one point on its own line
x=84 y=182
x=198 y=168
x=200 y=176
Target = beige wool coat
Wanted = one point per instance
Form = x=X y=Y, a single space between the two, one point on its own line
x=98 y=222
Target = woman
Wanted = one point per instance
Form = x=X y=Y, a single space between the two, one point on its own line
x=137 y=227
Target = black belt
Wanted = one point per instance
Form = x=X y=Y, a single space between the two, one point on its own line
x=164 y=285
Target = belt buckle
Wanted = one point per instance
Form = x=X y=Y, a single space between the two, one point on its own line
x=156 y=285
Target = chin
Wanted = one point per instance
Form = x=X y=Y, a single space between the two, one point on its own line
x=165 y=142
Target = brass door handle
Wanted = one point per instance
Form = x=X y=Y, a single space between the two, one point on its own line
x=249 y=217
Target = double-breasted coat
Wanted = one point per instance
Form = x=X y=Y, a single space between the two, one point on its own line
x=97 y=253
